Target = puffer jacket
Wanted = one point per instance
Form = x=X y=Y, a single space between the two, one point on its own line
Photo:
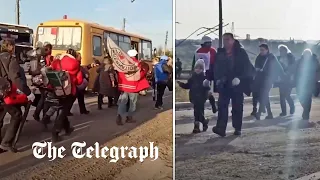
x=72 y=66
x=133 y=86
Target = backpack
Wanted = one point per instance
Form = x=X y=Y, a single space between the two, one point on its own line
x=60 y=81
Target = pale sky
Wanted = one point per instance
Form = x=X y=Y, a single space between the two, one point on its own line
x=271 y=19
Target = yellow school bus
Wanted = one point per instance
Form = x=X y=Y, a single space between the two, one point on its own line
x=88 y=38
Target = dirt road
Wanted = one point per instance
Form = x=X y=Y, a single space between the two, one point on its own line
x=154 y=126
x=279 y=149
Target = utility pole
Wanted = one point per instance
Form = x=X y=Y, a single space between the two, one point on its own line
x=165 y=44
x=18 y=12
x=124 y=24
x=232 y=28
x=220 y=23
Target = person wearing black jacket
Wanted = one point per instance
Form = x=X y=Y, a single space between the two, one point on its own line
x=233 y=75
x=268 y=71
x=199 y=88
x=81 y=91
x=306 y=69
x=9 y=67
x=287 y=61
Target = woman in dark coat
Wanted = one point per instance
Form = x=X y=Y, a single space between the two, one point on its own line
x=268 y=70
x=306 y=79
x=107 y=83
x=287 y=62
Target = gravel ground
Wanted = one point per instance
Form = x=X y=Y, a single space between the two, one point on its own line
x=158 y=130
x=280 y=149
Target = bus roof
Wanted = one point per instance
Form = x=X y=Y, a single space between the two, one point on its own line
x=17 y=25
x=96 y=25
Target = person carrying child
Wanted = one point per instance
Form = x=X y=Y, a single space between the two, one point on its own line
x=198 y=94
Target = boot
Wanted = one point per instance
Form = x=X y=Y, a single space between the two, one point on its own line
x=270 y=116
x=130 y=120
x=213 y=104
x=196 y=128
x=205 y=125
x=305 y=116
x=218 y=131
x=292 y=110
x=257 y=116
x=283 y=114
x=237 y=133
x=254 y=111
x=55 y=137
x=69 y=131
x=8 y=148
x=36 y=117
x=119 y=120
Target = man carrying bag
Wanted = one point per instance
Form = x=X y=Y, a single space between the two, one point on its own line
x=9 y=77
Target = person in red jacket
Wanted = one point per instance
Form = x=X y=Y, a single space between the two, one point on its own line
x=48 y=57
x=130 y=91
x=69 y=63
x=208 y=54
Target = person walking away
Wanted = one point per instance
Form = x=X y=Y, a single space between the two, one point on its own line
x=9 y=71
x=199 y=88
x=287 y=61
x=162 y=73
x=178 y=68
x=108 y=83
x=130 y=91
x=306 y=79
x=266 y=76
x=69 y=63
x=208 y=54
x=48 y=60
x=233 y=75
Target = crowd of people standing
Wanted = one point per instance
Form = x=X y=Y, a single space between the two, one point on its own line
x=230 y=73
x=109 y=83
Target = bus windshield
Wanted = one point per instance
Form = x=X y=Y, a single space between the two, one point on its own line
x=61 y=38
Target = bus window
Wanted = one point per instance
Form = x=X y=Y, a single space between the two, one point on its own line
x=105 y=35
x=61 y=38
x=127 y=40
x=146 y=50
x=96 y=42
x=114 y=37
x=125 y=46
x=124 y=43
x=121 y=38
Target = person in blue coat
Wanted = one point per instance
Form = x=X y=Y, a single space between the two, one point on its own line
x=162 y=73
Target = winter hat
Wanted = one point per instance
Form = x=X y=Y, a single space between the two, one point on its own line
x=206 y=39
x=164 y=58
x=200 y=63
x=132 y=53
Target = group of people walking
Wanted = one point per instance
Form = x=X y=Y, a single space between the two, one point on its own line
x=230 y=73
x=109 y=83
